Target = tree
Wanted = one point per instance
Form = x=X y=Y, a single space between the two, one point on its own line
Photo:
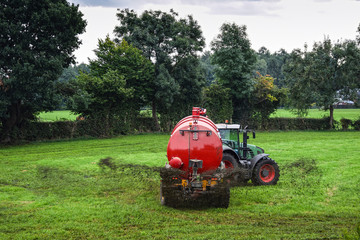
x=208 y=68
x=217 y=101
x=266 y=97
x=172 y=44
x=235 y=60
x=119 y=82
x=37 y=39
x=318 y=76
x=274 y=64
x=128 y=61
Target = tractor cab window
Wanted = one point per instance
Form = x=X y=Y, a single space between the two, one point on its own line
x=229 y=137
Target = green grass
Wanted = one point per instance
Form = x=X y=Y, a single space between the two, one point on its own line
x=313 y=113
x=56 y=190
x=352 y=114
x=57 y=116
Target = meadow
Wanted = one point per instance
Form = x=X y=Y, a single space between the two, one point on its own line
x=60 y=190
x=352 y=114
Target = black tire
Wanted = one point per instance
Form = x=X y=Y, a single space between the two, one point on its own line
x=170 y=196
x=221 y=196
x=266 y=172
x=229 y=161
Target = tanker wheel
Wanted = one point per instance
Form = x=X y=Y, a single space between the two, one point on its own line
x=170 y=196
x=221 y=196
x=165 y=196
x=266 y=172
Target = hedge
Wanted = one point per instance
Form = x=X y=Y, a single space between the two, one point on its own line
x=286 y=124
x=35 y=131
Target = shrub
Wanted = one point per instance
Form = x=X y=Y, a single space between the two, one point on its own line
x=345 y=123
x=356 y=124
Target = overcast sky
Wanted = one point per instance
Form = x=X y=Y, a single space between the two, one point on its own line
x=275 y=24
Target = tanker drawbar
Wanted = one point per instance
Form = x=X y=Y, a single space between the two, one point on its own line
x=194 y=174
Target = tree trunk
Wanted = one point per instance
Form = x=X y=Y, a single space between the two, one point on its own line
x=331 y=116
x=154 y=115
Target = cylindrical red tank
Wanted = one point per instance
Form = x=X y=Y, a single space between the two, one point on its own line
x=195 y=138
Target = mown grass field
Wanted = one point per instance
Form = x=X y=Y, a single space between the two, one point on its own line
x=352 y=114
x=56 y=190
x=57 y=116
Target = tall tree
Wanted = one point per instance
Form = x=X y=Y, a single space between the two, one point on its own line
x=172 y=44
x=266 y=97
x=217 y=101
x=274 y=64
x=208 y=68
x=130 y=88
x=37 y=39
x=235 y=62
x=318 y=76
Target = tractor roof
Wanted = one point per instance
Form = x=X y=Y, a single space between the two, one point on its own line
x=227 y=126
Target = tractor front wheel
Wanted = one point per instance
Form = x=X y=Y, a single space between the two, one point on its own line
x=266 y=172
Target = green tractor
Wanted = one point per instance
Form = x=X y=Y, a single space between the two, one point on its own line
x=251 y=161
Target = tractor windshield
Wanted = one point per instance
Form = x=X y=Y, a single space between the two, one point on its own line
x=229 y=137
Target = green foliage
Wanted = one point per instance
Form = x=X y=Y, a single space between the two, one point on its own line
x=356 y=124
x=57 y=190
x=317 y=76
x=36 y=43
x=172 y=44
x=208 y=68
x=286 y=124
x=345 y=123
x=108 y=92
x=272 y=64
x=120 y=81
x=217 y=101
x=90 y=127
x=129 y=62
x=266 y=97
x=235 y=60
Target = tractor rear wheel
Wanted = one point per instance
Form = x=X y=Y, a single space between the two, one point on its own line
x=266 y=172
x=229 y=161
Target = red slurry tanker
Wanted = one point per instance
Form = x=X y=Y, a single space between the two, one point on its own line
x=194 y=153
x=200 y=157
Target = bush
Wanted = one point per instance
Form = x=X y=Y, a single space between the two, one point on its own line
x=356 y=124
x=345 y=123
x=95 y=127
x=286 y=124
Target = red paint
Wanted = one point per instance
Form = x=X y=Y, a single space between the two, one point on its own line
x=267 y=173
x=186 y=145
x=175 y=162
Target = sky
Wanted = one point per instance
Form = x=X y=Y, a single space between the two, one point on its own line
x=274 y=24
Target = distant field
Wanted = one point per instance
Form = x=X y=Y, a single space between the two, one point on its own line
x=352 y=114
x=57 y=116
x=313 y=113
x=56 y=190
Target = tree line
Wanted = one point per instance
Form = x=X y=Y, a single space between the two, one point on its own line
x=157 y=61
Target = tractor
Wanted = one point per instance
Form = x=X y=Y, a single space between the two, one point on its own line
x=251 y=160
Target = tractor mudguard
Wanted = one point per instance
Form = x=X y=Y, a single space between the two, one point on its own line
x=255 y=159
x=227 y=149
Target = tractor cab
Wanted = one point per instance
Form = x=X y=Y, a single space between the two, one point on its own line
x=235 y=137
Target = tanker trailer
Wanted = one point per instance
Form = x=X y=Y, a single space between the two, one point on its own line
x=194 y=173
